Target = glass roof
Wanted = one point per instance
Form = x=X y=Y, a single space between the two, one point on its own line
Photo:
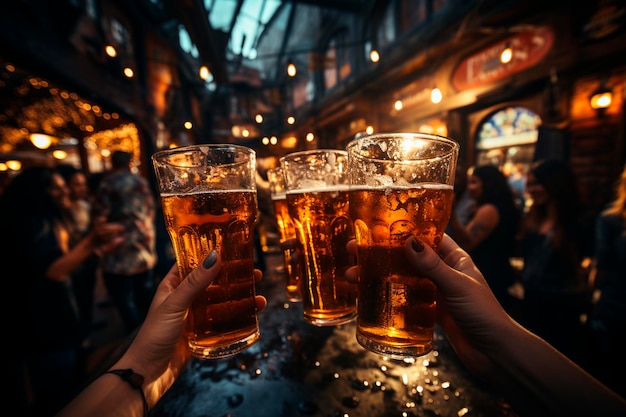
x=246 y=26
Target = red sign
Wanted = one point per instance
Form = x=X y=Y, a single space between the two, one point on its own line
x=485 y=67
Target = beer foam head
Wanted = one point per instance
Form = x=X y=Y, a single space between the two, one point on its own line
x=379 y=181
x=310 y=184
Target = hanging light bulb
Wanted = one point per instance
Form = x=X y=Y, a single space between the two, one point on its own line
x=506 y=55
x=204 y=72
x=291 y=69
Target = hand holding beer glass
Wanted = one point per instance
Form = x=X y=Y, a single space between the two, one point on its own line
x=209 y=199
x=317 y=196
x=401 y=185
x=287 y=232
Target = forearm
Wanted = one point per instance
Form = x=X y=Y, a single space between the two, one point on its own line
x=65 y=265
x=540 y=381
x=108 y=395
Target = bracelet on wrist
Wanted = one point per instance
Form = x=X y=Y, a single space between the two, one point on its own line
x=135 y=380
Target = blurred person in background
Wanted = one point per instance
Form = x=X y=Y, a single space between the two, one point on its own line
x=607 y=323
x=80 y=209
x=43 y=254
x=128 y=273
x=490 y=235
x=551 y=240
x=464 y=205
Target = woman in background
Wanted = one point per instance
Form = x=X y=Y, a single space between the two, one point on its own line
x=43 y=254
x=607 y=323
x=490 y=235
x=551 y=242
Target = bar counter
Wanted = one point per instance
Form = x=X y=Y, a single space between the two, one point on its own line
x=297 y=369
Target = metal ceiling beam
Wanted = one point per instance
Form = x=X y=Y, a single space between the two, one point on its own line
x=193 y=15
x=346 y=5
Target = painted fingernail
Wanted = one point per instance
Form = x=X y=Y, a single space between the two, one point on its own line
x=210 y=260
x=417 y=245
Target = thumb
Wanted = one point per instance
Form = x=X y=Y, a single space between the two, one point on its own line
x=197 y=280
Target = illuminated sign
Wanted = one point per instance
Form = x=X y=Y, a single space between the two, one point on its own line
x=485 y=67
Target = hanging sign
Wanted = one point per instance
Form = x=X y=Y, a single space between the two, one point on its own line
x=485 y=67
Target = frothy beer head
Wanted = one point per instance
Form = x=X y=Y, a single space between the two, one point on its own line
x=402 y=159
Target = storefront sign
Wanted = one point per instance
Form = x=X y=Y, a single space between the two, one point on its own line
x=485 y=67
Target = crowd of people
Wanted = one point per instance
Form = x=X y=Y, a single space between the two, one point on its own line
x=574 y=264
x=64 y=233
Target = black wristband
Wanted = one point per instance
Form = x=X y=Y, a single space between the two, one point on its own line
x=134 y=380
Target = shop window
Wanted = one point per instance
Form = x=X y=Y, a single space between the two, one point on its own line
x=337 y=60
x=507 y=138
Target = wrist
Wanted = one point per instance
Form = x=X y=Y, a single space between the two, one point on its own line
x=135 y=381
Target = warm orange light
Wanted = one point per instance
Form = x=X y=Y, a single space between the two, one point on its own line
x=110 y=51
x=204 y=72
x=436 y=96
x=601 y=100
x=506 y=55
x=14 y=165
x=41 y=140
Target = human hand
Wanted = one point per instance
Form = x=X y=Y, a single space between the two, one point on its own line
x=159 y=352
x=467 y=310
x=107 y=236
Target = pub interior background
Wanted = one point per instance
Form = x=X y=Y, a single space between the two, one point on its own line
x=511 y=80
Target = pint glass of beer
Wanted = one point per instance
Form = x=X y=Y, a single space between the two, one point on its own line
x=287 y=233
x=317 y=197
x=209 y=199
x=401 y=185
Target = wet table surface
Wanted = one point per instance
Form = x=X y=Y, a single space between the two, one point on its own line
x=296 y=369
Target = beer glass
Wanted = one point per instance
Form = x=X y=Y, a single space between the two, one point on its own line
x=209 y=199
x=401 y=185
x=287 y=233
x=317 y=197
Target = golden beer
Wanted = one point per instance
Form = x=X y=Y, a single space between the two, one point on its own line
x=323 y=228
x=222 y=320
x=287 y=232
x=396 y=307
x=401 y=185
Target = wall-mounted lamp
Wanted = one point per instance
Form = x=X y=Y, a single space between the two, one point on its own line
x=601 y=98
x=436 y=95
